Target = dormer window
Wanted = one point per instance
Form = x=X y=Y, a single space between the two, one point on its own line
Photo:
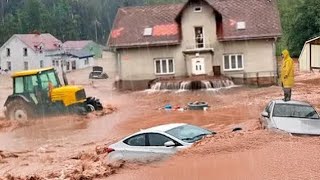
x=197 y=9
x=147 y=32
x=241 y=25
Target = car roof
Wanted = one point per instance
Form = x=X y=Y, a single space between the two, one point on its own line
x=291 y=102
x=163 y=128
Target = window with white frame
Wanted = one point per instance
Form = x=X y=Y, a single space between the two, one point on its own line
x=233 y=62
x=199 y=37
x=164 y=66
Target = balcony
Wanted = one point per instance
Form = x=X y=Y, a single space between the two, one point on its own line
x=199 y=47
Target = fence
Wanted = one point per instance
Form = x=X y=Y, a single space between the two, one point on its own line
x=264 y=78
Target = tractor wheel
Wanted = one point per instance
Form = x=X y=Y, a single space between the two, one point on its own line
x=19 y=110
x=90 y=108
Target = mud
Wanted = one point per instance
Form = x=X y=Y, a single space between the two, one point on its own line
x=73 y=148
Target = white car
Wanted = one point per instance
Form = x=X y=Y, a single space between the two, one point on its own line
x=294 y=117
x=156 y=143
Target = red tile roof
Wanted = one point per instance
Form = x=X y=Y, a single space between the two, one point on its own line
x=261 y=18
x=47 y=41
x=130 y=23
x=76 y=44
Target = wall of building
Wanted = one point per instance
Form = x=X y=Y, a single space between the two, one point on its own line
x=80 y=63
x=304 y=59
x=258 y=56
x=17 y=57
x=138 y=63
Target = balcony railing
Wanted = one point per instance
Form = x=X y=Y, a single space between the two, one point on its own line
x=199 y=46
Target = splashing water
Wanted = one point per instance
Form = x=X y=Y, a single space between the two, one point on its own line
x=181 y=86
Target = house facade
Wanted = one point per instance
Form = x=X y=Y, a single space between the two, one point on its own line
x=234 y=38
x=29 y=51
x=72 y=60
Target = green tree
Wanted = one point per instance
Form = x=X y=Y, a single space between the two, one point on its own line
x=305 y=25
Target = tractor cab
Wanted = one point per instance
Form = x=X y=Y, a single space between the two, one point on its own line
x=35 y=85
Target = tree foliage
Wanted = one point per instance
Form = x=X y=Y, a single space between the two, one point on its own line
x=93 y=19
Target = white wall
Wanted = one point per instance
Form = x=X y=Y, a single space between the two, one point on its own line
x=80 y=63
x=17 y=57
x=304 y=59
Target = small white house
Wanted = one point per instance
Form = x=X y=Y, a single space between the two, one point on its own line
x=72 y=60
x=29 y=51
x=310 y=55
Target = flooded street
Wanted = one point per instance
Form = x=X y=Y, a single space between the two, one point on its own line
x=57 y=147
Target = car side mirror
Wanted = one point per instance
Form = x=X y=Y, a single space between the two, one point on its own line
x=169 y=144
x=265 y=114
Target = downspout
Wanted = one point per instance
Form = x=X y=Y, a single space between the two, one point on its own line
x=119 y=71
x=275 y=59
x=185 y=64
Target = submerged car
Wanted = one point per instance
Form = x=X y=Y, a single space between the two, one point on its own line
x=97 y=73
x=293 y=117
x=156 y=143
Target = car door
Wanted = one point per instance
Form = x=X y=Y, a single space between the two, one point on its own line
x=156 y=141
x=136 y=148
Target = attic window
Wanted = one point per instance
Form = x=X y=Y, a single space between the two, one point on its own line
x=197 y=9
x=147 y=32
x=241 y=25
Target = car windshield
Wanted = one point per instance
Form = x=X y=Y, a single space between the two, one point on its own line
x=295 y=111
x=188 y=133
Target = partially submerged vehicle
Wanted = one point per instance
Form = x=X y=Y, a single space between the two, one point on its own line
x=293 y=117
x=39 y=93
x=97 y=73
x=156 y=143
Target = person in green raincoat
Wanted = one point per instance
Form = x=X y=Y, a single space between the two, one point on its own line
x=287 y=75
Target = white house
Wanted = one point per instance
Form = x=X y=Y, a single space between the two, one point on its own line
x=29 y=51
x=73 y=59
x=310 y=55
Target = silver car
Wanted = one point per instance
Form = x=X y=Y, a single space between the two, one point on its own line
x=294 y=117
x=156 y=143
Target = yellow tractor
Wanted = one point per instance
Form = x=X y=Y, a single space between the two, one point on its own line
x=39 y=93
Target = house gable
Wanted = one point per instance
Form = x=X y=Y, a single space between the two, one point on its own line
x=198 y=21
x=14 y=37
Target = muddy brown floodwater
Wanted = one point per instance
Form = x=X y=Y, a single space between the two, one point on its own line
x=65 y=147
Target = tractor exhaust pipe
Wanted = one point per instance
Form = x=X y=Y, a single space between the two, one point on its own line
x=64 y=77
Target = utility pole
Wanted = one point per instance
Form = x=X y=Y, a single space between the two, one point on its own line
x=96 y=21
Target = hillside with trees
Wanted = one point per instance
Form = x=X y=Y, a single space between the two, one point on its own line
x=92 y=19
